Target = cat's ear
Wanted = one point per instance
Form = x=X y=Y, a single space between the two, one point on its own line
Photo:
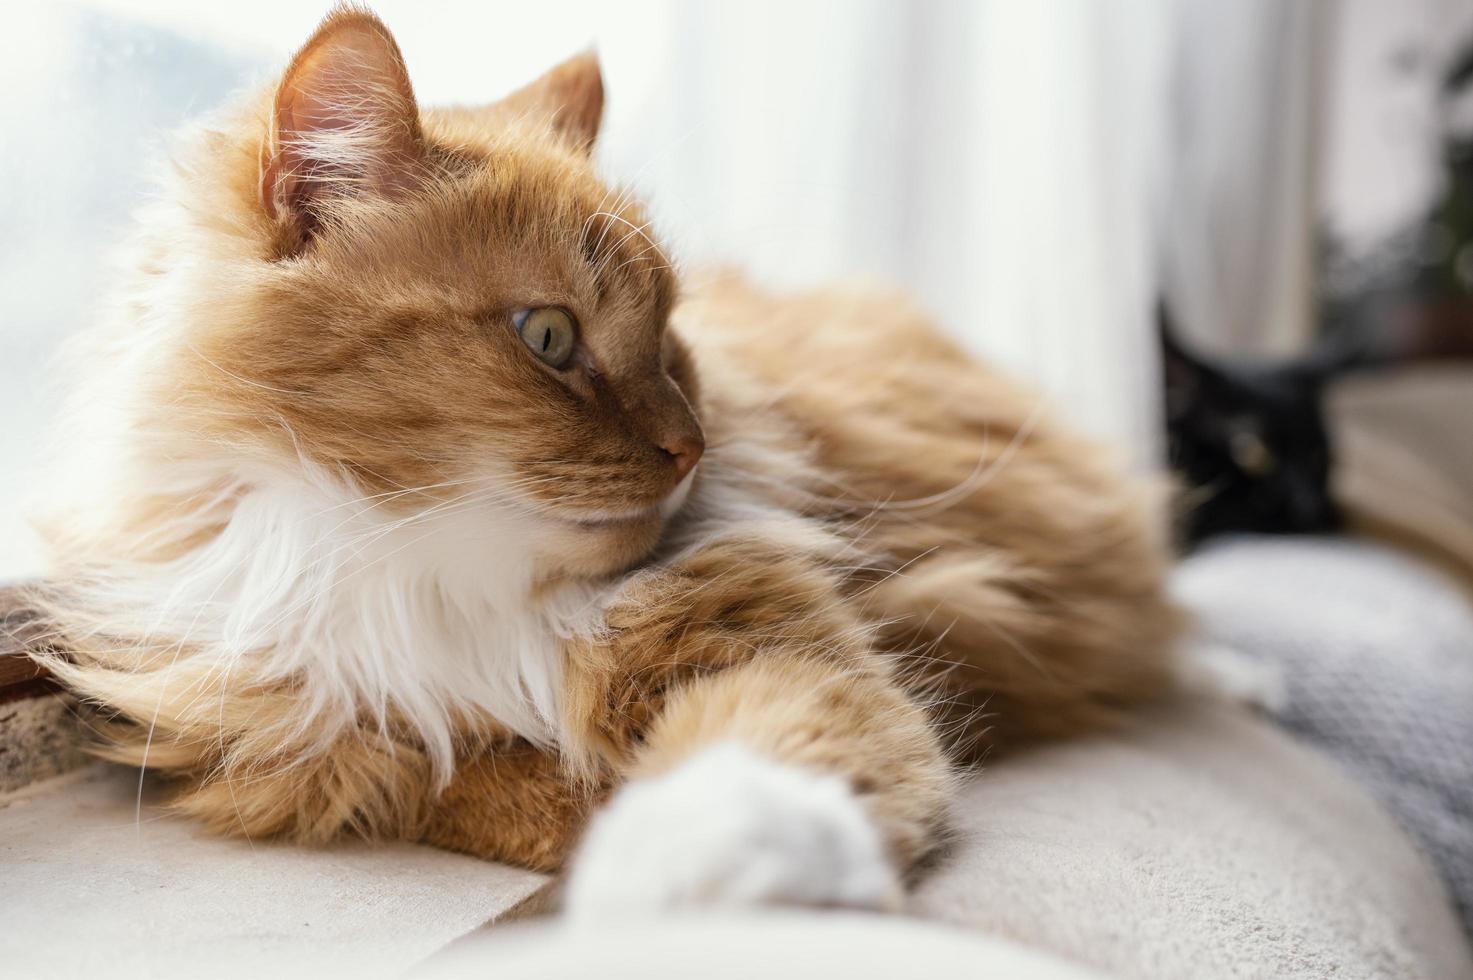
x=344 y=122
x=1183 y=373
x=570 y=98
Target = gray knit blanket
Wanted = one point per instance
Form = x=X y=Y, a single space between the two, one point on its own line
x=1375 y=654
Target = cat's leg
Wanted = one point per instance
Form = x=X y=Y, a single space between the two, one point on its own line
x=786 y=779
x=519 y=804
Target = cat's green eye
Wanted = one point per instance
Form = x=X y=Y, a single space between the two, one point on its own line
x=549 y=332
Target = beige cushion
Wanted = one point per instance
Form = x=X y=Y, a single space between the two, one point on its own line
x=850 y=946
x=1203 y=844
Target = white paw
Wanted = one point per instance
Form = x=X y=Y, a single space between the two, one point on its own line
x=730 y=828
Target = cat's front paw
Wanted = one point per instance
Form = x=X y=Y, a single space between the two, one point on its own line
x=729 y=828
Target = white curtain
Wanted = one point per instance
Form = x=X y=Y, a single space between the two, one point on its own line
x=1241 y=215
x=1292 y=120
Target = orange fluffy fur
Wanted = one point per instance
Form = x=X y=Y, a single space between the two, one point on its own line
x=888 y=557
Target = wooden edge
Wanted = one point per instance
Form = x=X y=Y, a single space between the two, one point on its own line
x=20 y=676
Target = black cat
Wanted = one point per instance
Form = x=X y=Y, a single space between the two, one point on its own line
x=1248 y=442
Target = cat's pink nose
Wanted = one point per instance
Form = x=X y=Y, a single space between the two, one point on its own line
x=683 y=451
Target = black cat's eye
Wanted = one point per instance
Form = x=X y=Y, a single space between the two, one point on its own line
x=1249 y=450
x=549 y=332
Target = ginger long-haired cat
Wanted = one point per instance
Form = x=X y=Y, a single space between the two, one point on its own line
x=412 y=495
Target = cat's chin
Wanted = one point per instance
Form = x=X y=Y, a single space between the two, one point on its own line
x=592 y=547
x=594 y=543
x=633 y=517
x=604 y=521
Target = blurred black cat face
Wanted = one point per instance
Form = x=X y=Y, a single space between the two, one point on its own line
x=1251 y=446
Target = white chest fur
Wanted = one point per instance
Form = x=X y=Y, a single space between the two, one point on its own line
x=424 y=616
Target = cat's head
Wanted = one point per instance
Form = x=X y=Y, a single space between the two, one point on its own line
x=1250 y=443
x=446 y=302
